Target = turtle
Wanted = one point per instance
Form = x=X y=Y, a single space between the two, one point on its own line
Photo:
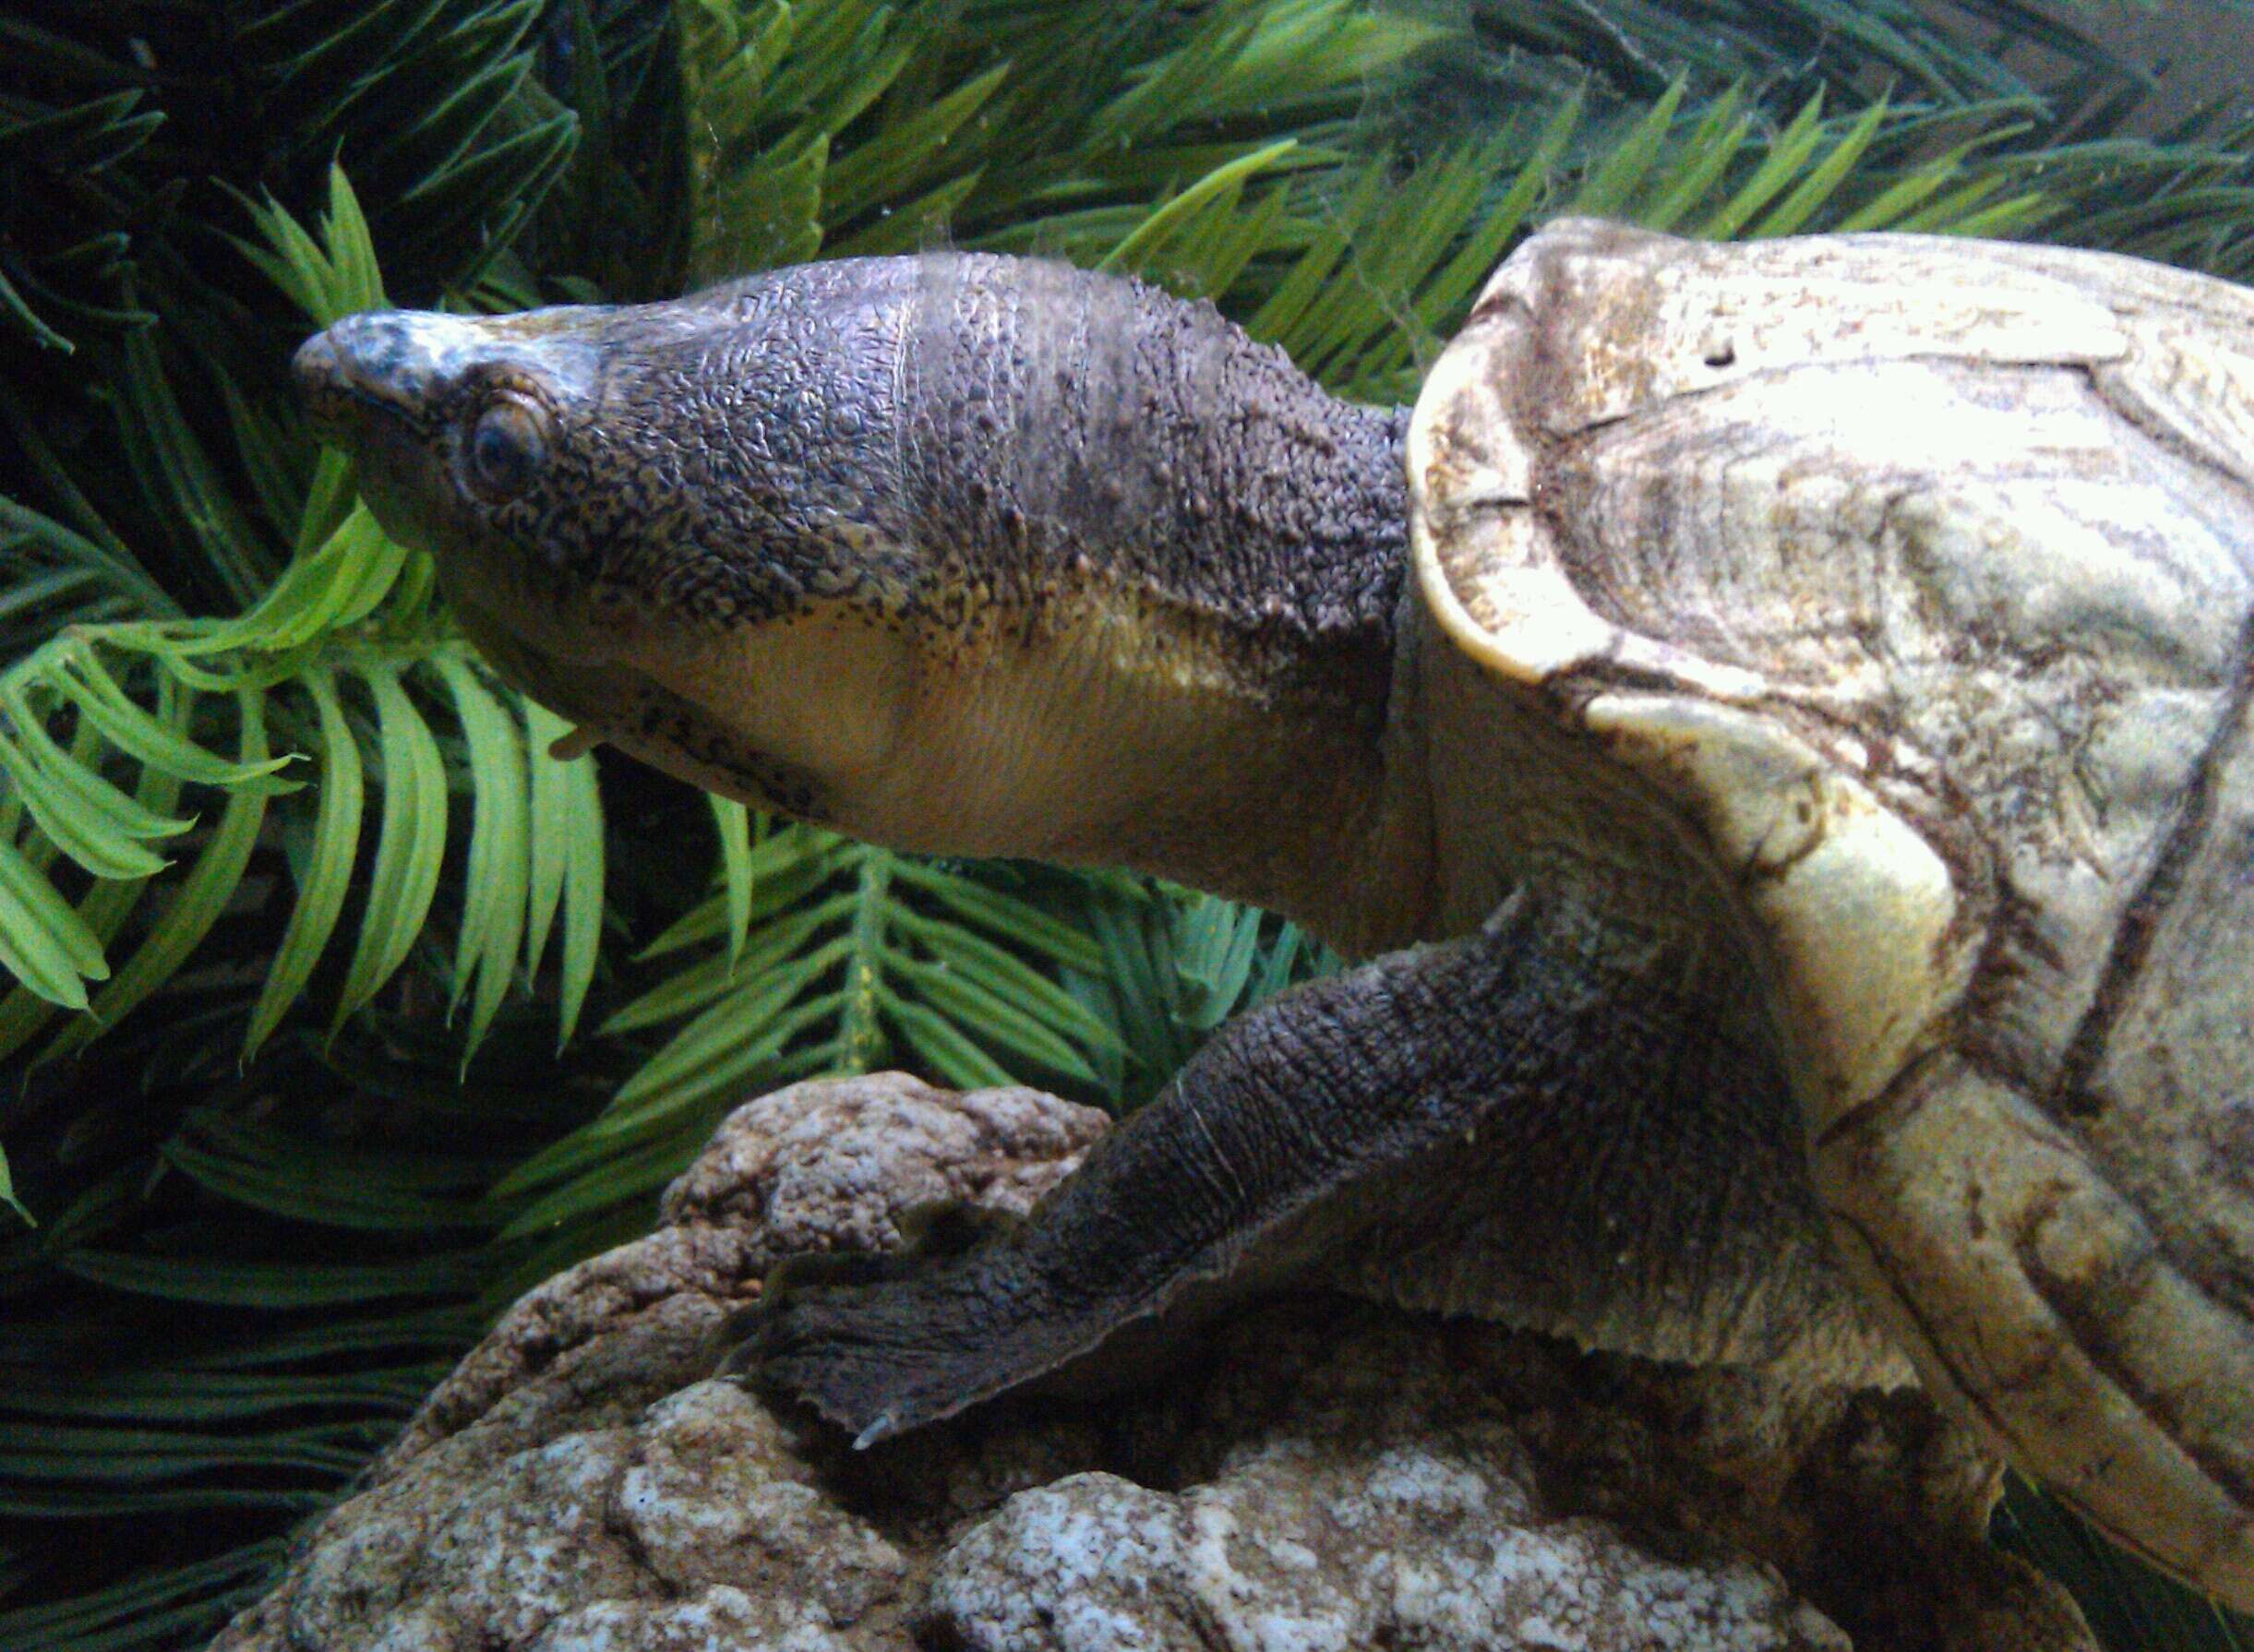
x=1769 y=729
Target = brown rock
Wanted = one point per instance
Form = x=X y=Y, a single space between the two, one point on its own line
x=1329 y=1474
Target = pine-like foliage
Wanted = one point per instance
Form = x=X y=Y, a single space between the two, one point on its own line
x=297 y=887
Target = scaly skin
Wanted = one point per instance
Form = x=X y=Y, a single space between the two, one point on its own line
x=949 y=497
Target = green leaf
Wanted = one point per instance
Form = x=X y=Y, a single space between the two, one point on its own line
x=946 y=1052
x=1004 y=975
x=690 y=989
x=328 y=869
x=625 y=1175
x=78 y=675
x=80 y=813
x=195 y=905
x=328 y=501
x=341 y=584
x=583 y=890
x=1006 y=915
x=912 y=226
x=1604 y=193
x=734 y=822
x=410 y=849
x=101 y=553
x=365 y=1188
x=293 y=1283
x=1701 y=162
x=102 y=909
x=2012 y=217
x=782 y=866
x=7 y=1192
x=170 y=461
x=883 y=167
x=1449 y=292
x=147 y=1609
x=545 y=877
x=496 y=882
x=1182 y=79
x=44 y=943
x=128 y=1455
x=80 y=1503
x=1778 y=168
x=1220 y=942
x=1890 y=205
x=1219 y=187
x=354 y=283
x=772 y=215
x=1822 y=182
x=161 y=1397
x=996 y=1020
x=732 y=1023
x=565 y=866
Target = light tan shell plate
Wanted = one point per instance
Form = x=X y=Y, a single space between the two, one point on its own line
x=1915 y=575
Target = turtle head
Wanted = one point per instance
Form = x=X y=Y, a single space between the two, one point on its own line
x=968 y=554
x=677 y=525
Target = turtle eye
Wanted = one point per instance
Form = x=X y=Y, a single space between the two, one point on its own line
x=505 y=449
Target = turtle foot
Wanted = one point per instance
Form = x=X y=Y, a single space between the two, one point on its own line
x=860 y=1355
x=879 y=1346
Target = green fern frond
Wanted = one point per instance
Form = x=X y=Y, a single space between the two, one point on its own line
x=67 y=271
x=7 y=1190
x=850 y=956
x=328 y=275
x=349 y=616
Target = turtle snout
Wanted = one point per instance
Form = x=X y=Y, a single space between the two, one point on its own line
x=362 y=360
x=400 y=361
x=315 y=364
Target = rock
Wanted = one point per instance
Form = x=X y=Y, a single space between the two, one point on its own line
x=1343 y=1543
x=1328 y=1474
x=822 y=1166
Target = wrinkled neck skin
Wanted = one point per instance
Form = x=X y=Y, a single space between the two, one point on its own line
x=1077 y=572
x=1197 y=560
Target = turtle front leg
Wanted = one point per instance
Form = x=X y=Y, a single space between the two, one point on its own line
x=1549 y=1123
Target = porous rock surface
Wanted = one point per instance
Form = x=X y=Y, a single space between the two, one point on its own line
x=1327 y=1475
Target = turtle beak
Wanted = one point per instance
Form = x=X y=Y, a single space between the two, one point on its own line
x=373 y=385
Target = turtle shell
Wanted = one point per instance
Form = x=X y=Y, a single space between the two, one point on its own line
x=1914 y=576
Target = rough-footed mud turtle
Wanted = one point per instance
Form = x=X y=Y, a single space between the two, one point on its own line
x=1775 y=717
